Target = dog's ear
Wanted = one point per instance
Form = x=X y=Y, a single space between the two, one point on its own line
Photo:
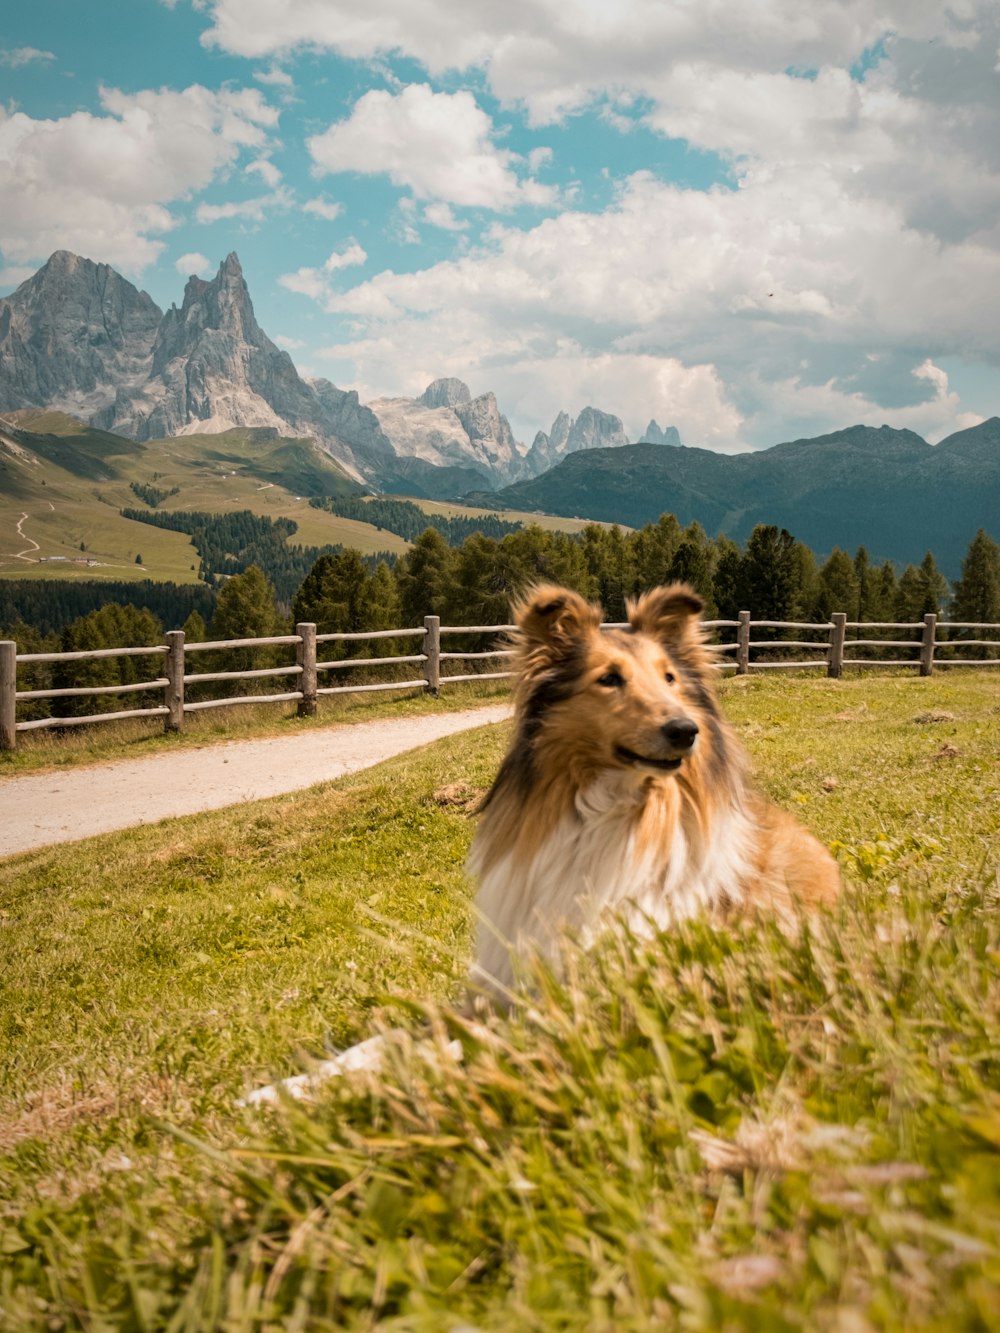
x=554 y=619
x=669 y=614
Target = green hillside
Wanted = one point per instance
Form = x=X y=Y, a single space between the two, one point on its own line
x=886 y=489
x=62 y=485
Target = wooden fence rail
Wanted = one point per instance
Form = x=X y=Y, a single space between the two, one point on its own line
x=830 y=654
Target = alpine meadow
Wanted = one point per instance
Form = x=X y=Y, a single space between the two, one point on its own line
x=499 y=667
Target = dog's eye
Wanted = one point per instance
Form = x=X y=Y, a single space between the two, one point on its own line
x=611 y=679
x=671 y=678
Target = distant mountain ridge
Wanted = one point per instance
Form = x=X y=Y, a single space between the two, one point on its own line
x=883 y=488
x=77 y=337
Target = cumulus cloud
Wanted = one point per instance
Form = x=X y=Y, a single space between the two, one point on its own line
x=858 y=246
x=724 y=288
x=440 y=215
x=438 y=145
x=315 y=282
x=114 y=175
x=556 y=57
x=323 y=208
x=195 y=263
x=348 y=258
x=274 y=77
x=266 y=170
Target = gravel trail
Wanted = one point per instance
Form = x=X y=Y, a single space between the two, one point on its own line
x=64 y=805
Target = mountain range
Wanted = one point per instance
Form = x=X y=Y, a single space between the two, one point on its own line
x=79 y=338
x=887 y=489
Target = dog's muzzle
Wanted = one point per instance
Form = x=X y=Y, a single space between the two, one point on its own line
x=679 y=735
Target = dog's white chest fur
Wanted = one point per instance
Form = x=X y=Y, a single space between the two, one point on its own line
x=593 y=863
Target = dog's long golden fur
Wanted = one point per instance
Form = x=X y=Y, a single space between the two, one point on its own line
x=624 y=787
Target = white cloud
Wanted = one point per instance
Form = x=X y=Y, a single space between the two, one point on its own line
x=348 y=258
x=20 y=56
x=440 y=215
x=773 y=284
x=274 y=77
x=289 y=344
x=113 y=175
x=266 y=170
x=250 y=210
x=307 y=282
x=195 y=263
x=438 y=145
x=315 y=282
x=555 y=56
x=323 y=208
x=858 y=248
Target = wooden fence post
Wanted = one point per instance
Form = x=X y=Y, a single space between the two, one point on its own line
x=174 y=721
x=927 y=644
x=838 y=633
x=432 y=651
x=8 y=691
x=305 y=656
x=743 y=645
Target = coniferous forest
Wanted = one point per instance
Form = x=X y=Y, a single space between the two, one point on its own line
x=774 y=576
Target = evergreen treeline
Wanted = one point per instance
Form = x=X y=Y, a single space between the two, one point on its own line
x=229 y=544
x=775 y=577
x=408 y=520
x=49 y=605
x=153 y=495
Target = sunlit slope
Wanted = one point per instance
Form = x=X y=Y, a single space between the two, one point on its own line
x=63 y=484
x=449 y=509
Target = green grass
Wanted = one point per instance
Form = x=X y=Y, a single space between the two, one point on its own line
x=550 y=522
x=717 y=1129
x=71 y=481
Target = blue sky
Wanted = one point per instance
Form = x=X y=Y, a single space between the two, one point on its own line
x=753 y=223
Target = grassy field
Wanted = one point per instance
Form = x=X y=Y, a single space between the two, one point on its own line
x=60 y=498
x=716 y=1129
x=550 y=522
x=66 y=488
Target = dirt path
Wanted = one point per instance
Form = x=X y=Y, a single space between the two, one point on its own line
x=29 y=551
x=64 y=805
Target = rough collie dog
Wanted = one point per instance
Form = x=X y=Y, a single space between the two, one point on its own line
x=624 y=789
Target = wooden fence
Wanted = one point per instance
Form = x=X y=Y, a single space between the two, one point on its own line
x=829 y=653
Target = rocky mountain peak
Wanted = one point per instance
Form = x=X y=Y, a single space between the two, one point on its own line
x=594 y=429
x=446 y=393
x=653 y=434
x=72 y=332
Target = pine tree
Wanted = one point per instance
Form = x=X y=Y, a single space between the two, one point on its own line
x=837 y=587
x=977 y=592
x=935 y=584
x=195 y=629
x=770 y=574
x=865 y=575
x=653 y=549
x=424 y=576
x=726 y=586
x=112 y=626
x=246 y=609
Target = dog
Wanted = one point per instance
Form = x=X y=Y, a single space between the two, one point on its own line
x=624 y=790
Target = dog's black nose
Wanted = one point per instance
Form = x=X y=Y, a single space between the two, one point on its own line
x=680 y=732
